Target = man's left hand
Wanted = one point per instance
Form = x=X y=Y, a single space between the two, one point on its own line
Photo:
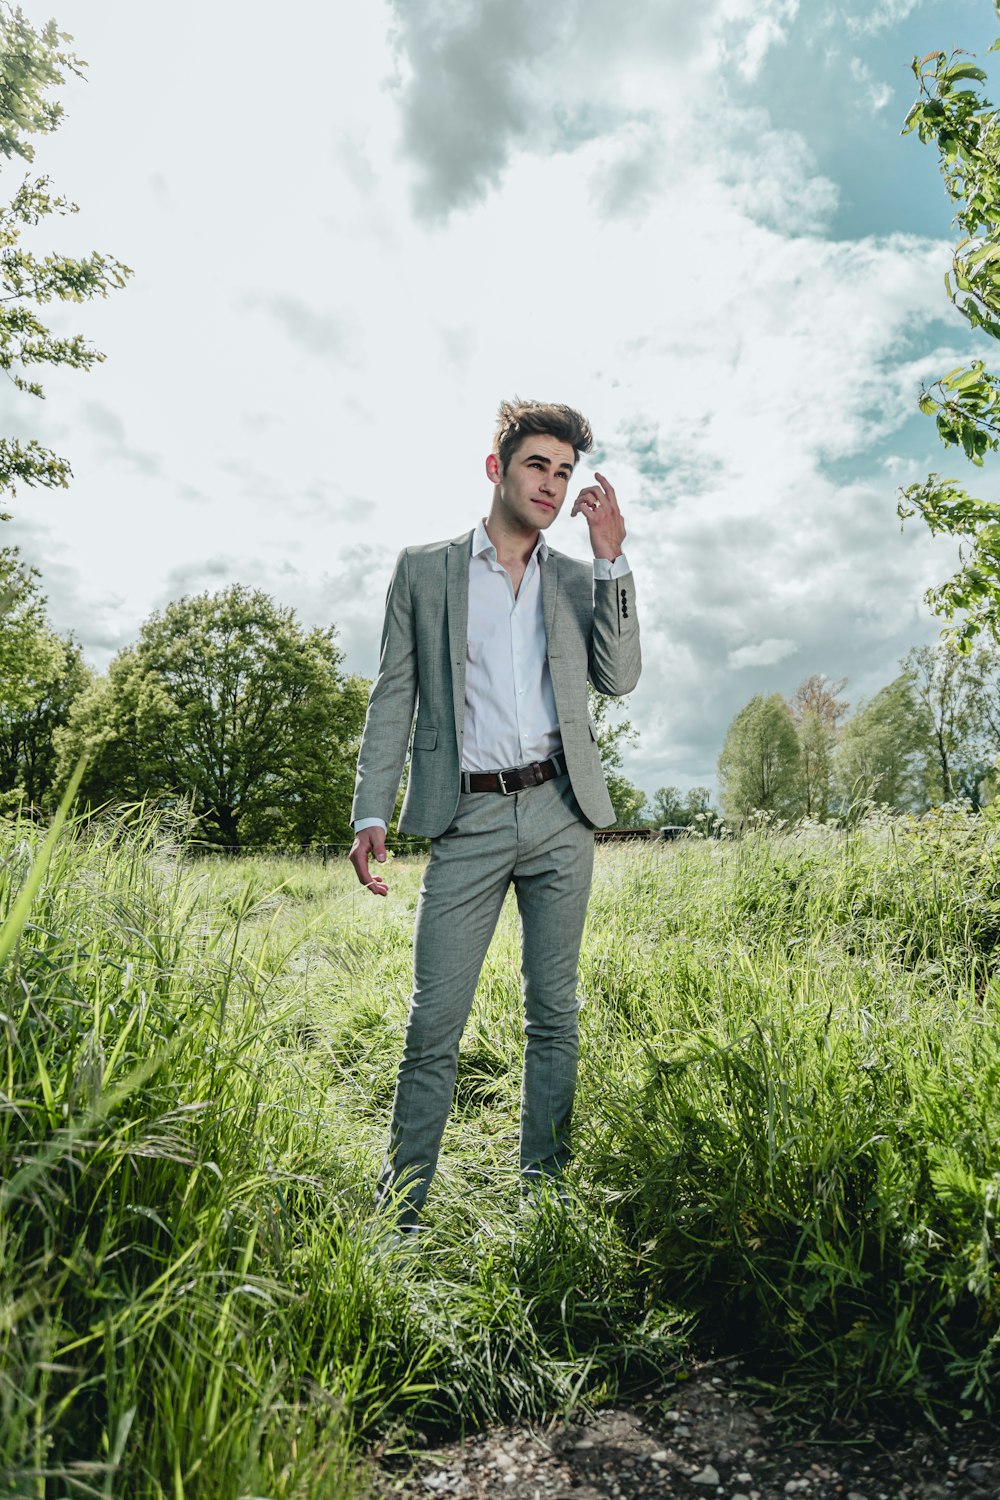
x=599 y=508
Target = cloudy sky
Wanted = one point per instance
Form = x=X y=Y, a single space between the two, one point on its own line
x=354 y=228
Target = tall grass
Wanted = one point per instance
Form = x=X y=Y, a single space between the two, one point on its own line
x=196 y=1063
x=787 y=1134
x=806 y=1146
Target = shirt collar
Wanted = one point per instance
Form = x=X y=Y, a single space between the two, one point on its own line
x=481 y=543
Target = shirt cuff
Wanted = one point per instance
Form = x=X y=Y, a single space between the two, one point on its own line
x=604 y=568
x=369 y=823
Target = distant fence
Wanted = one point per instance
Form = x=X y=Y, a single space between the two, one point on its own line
x=322 y=852
x=640 y=835
x=402 y=844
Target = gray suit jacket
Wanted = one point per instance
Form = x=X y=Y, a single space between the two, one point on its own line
x=591 y=632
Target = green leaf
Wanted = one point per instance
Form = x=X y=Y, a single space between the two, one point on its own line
x=964 y=70
x=961 y=381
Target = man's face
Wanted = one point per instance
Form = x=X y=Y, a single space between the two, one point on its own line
x=530 y=491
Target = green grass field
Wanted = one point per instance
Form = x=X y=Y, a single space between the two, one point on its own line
x=787 y=1145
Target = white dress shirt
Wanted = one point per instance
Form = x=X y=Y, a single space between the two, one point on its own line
x=510 y=709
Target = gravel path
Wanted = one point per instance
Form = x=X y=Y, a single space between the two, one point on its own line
x=701 y=1440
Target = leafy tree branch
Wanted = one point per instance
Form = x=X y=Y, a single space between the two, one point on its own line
x=33 y=62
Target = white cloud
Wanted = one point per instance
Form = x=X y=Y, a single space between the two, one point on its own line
x=761 y=653
x=877 y=93
x=316 y=366
x=481 y=80
x=871 y=18
x=317 y=331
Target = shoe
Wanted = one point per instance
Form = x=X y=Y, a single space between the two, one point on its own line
x=540 y=1193
x=396 y=1239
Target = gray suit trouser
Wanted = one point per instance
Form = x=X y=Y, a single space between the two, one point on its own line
x=536 y=840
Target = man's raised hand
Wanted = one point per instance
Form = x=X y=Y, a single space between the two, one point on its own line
x=599 y=507
x=370 y=841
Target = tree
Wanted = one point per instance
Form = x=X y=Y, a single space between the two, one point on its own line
x=31 y=655
x=28 y=755
x=965 y=402
x=978 y=777
x=613 y=734
x=668 y=808
x=986 y=701
x=32 y=63
x=759 y=767
x=672 y=809
x=817 y=712
x=40 y=674
x=628 y=801
x=697 y=803
x=947 y=687
x=817 y=695
x=882 y=751
x=227 y=702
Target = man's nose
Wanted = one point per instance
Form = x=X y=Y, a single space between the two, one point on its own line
x=547 y=485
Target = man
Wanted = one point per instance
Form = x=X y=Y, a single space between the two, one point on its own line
x=491 y=639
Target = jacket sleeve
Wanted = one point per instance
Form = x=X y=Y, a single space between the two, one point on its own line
x=615 y=659
x=390 y=705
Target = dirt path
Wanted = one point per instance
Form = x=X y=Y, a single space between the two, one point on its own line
x=702 y=1440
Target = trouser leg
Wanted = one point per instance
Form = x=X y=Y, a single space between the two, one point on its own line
x=460 y=900
x=552 y=880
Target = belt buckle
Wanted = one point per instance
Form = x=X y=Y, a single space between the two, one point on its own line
x=508 y=791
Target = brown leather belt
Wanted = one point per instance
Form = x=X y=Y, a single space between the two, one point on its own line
x=517 y=779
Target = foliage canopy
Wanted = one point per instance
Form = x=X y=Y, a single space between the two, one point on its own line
x=226 y=702
x=760 y=762
x=965 y=403
x=32 y=63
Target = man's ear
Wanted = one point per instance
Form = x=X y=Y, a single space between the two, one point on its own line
x=494 y=473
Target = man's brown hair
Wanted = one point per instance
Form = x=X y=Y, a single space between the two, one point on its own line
x=516 y=419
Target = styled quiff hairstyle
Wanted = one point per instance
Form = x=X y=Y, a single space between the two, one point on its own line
x=516 y=419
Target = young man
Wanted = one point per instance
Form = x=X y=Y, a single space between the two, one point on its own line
x=491 y=639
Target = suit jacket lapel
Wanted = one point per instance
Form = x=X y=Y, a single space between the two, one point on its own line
x=458 y=619
x=550 y=590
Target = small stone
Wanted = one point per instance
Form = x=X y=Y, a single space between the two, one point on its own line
x=659 y=1457
x=739 y=1495
x=683 y=1430
x=584 y=1443
x=796 y=1486
x=856 y=1495
x=504 y=1461
x=707 y=1475
x=744 y=1478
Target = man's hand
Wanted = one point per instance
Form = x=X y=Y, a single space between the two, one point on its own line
x=369 y=841
x=599 y=508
